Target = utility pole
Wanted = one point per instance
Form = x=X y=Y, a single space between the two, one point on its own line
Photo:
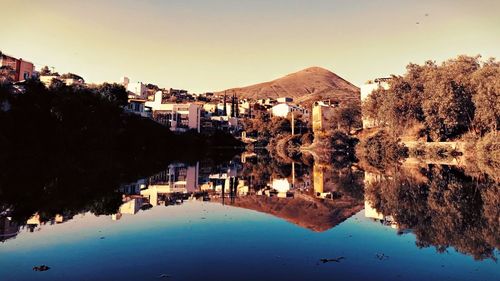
x=293 y=125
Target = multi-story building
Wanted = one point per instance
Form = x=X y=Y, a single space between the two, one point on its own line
x=322 y=116
x=176 y=116
x=178 y=178
x=22 y=69
x=138 y=107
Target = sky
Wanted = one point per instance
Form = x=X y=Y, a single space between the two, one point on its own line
x=211 y=45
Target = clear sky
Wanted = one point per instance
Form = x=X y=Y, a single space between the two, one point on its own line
x=204 y=45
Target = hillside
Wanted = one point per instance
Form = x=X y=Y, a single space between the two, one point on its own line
x=305 y=87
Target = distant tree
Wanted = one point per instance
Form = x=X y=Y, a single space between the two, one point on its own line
x=71 y=76
x=45 y=71
x=152 y=87
x=114 y=93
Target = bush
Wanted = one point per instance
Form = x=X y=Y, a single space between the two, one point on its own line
x=381 y=149
x=488 y=150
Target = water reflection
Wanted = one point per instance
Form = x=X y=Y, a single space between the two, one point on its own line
x=442 y=206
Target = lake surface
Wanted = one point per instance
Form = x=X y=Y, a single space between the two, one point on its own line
x=256 y=219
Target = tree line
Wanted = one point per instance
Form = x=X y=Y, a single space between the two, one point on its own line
x=445 y=100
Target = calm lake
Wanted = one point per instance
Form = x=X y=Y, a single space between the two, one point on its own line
x=253 y=218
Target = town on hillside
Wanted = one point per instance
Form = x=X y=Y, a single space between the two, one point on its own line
x=181 y=111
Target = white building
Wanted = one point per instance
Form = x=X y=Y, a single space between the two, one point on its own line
x=284 y=100
x=138 y=89
x=177 y=116
x=138 y=107
x=282 y=110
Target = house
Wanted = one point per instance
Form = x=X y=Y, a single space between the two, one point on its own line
x=210 y=109
x=177 y=116
x=284 y=100
x=366 y=90
x=138 y=107
x=282 y=110
x=322 y=116
x=22 y=69
x=68 y=79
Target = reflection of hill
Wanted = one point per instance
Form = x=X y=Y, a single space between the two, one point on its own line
x=303 y=210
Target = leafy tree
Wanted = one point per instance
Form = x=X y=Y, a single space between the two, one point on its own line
x=347 y=116
x=382 y=149
x=114 y=93
x=45 y=71
x=486 y=98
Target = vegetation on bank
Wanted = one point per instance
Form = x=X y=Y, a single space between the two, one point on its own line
x=73 y=146
x=461 y=95
x=72 y=121
x=382 y=149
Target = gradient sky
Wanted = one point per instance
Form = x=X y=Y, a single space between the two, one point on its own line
x=204 y=45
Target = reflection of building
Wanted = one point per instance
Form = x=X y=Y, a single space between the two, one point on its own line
x=366 y=90
x=178 y=178
x=36 y=220
x=129 y=207
x=370 y=211
x=323 y=181
x=282 y=187
x=8 y=228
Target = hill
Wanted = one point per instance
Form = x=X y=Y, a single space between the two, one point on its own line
x=305 y=87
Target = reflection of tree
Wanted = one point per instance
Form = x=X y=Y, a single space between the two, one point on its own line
x=450 y=209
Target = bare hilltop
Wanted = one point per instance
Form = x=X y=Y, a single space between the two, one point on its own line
x=305 y=87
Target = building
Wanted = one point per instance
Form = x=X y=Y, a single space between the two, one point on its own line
x=22 y=69
x=322 y=116
x=69 y=80
x=366 y=90
x=138 y=89
x=176 y=116
x=282 y=110
x=138 y=107
x=284 y=100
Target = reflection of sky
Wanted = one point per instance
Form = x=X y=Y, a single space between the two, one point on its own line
x=209 y=241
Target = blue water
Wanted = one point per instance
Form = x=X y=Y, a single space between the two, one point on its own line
x=209 y=241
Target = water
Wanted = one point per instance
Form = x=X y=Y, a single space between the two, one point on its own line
x=263 y=220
